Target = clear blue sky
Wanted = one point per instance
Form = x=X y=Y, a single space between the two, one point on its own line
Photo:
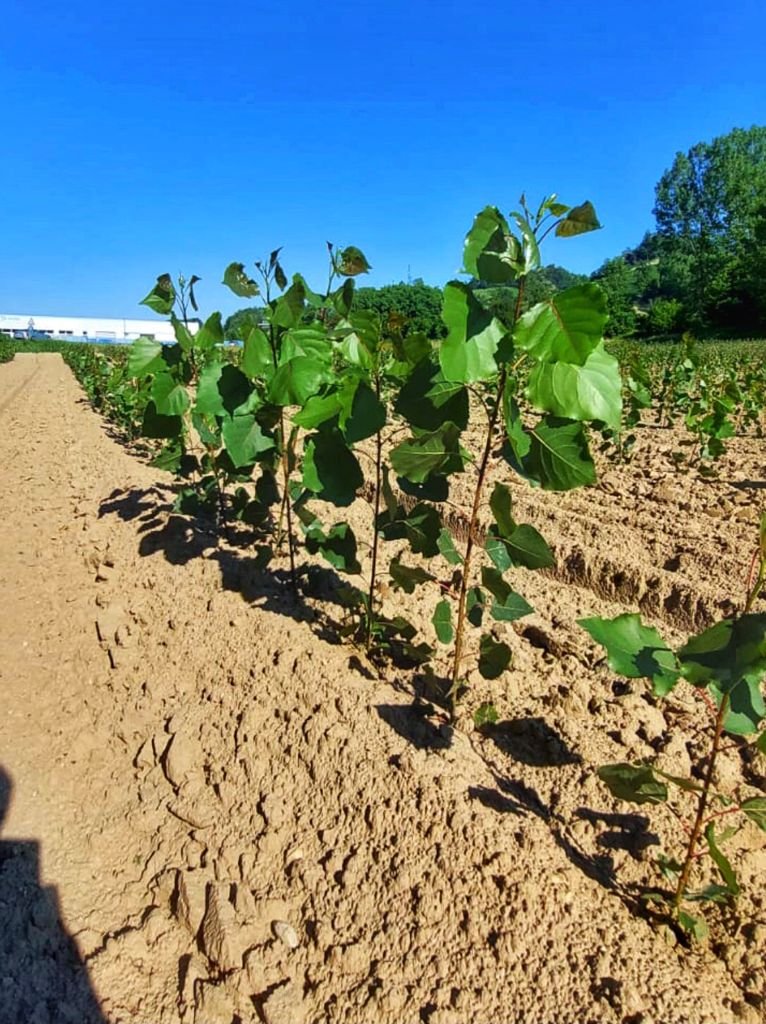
x=145 y=137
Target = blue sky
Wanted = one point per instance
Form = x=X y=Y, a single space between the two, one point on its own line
x=140 y=138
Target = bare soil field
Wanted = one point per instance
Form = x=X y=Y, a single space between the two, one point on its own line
x=213 y=812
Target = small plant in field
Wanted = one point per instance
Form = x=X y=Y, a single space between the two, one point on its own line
x=468 y=393
x=726 y=664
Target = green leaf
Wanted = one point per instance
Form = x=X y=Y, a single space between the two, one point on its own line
x=746 y=705
x=525 y=547
x=508 y=605
x=442 y=620
x=491 y=253
x=494 y=657
x=337 y=546
x=296 y=381
x=500 y=504
x=169 y=395
x=693 y=926
x=235 y=277
x=723 y=865
x=422 y=527
x=210 y=334
x=686 y=784
x=485 y=714
x=558 y=457
x=467 y=354
x=475 y=601
x=760 y=745
x=579 y=220
x=144 y=357
x=244 y=439
x=427 y=400
x=418 y=457
x=257 y=358
x=184 y=337
x=635 y=783
x=367 y=415
x=566 y=327
x=755 y=809
x=635 y=650
x=170 y=457
x=209 y=401
x=592 y=391
x=351 y=261
x=518 y=438
x=235 y=389
x=162 y=297
x=726 y=653
x=330 y=468
x=157 y=425
x=288 y=308
x=406 y=578
x=447 y=549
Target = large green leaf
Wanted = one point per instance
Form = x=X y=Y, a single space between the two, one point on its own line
x=525 y=547
x=296 y=381
x=235 y=389
x=435 y=452
x=467 y=354
x=236 y=278
x=635 y=650
x=244 y=439
x=351 y=261
x=337 y=546
x=156 y=425
x=169 y=395
x=144 y=357
x=257 y=358
x=210 y=334
x=746 y=708
x=568 y=326
x=494 y=657
x=320 y=409
x=635 y=783
x=726 y=653
x=508 y=605
x=491 y=253
x=162 y=297
x=558 y=457
x=330 y=468
x=427 y=400
x=592 y=391
x=209 y=401
x=578 y=220
x=366 y=417
x=184 y=336
x=288 y=308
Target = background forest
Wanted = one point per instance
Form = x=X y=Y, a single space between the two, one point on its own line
x=702 y=268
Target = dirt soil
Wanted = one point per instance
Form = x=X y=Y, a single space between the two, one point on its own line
x=216 y=813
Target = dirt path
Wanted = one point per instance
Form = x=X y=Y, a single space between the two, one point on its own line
x=215 y=816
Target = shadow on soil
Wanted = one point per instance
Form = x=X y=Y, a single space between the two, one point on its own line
x=243 y=558
x=42 y=976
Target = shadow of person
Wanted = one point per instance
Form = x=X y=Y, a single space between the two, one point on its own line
x=42 y=978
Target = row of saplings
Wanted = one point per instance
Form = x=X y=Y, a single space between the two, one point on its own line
x=320 y=386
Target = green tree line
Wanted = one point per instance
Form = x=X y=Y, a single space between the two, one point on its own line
x=702 y=268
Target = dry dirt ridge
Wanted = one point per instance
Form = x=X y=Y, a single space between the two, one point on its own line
x=213 y=814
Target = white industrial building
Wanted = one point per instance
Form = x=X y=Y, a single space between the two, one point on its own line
x=82 y=328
